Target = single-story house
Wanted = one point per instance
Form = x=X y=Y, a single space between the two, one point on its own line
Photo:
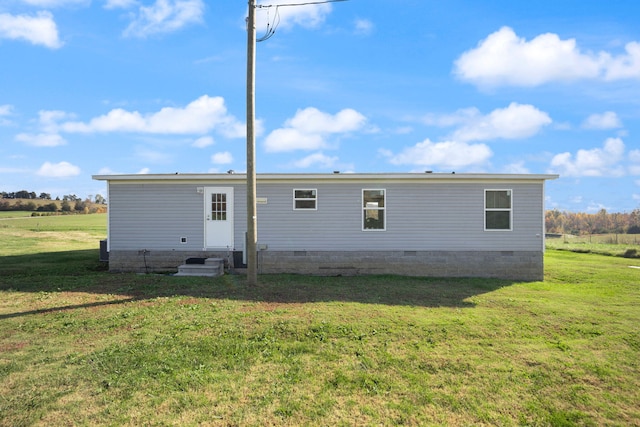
x=421 y=224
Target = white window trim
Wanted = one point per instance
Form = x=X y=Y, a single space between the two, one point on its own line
x=484 y=219
x=364 y=208
x=295 y=199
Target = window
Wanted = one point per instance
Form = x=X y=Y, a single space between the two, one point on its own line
x=373 y=207
x=218 y=206
x=305 y=199
x=497 y=209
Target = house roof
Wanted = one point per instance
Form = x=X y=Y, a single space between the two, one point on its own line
x=329 y=177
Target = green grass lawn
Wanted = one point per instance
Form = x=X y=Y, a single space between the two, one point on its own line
x=626 y=245
x=14 y=214
x=81 y=346
x=36 y=235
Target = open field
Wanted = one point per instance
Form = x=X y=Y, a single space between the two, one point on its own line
x=14 y=214
x=605 y=244
x=81 y=346
x=31 y=235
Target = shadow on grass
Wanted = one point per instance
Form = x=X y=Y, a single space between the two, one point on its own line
x=80 y=271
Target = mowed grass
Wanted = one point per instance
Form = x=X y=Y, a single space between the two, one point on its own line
x=625 y=245
x=81 y=346
x=21 y=235
x=14 y=214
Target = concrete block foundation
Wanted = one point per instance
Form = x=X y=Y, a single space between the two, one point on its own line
x=512 y=265
x=158 y=261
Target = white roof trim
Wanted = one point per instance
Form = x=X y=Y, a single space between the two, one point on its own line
x=266 y=177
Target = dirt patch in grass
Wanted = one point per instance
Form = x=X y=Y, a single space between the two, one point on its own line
x=13 y=346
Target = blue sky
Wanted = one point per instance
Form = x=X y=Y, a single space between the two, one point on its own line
x=158 y=86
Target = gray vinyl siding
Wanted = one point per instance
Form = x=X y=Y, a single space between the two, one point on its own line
x=155 y=216
x=433 y=216
x=239 y=215
x=438 y=216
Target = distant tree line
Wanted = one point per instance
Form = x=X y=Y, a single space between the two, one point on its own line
x=602 y=222
x=24 y=194
x=28 y=201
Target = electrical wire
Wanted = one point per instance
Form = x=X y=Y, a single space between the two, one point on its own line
x=260 y=6
x=271 y=28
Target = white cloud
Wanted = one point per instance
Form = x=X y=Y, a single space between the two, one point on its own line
x=41 y=139
x=606 y=120
x=447 y=154
x=363 y=27
x=308 y=129
x=200 y=116
x=594 y=162
x=40 y=29
x=312 y=120
x=106 y=171
x=222 y=158
x=56 y=3
x=58 y=170
x=306 y=16
x=503 y=58
x=48 y=119
x=289 y=139
x=202 y=142
x=517 y=167
x=462 y=116
x=597 y=207
x=319 y=159
x=625 y=66
x=517 y=121
x=120 y=4
x=165 y=16
x=48 y=137
x=5 y=110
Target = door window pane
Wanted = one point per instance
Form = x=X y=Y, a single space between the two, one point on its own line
x=218 y=206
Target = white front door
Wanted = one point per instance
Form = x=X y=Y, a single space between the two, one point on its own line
x=218 y=211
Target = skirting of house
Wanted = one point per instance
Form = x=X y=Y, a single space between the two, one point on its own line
x=513 y=265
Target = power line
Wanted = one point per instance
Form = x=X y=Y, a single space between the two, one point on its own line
x=271 y=28
x=260 y=6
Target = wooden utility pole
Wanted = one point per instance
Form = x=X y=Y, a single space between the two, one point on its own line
x=251 y=245
x=252 y=223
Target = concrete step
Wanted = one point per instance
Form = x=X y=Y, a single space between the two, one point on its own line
x=212 y=267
